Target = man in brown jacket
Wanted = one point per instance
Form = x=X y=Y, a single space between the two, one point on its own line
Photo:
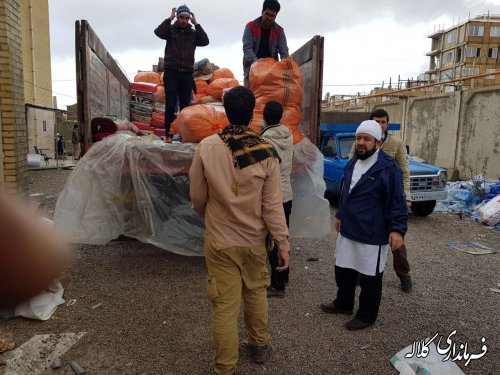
x=394 y=147
x=235 y=185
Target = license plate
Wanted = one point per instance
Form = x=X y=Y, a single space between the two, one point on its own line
x=417 y=197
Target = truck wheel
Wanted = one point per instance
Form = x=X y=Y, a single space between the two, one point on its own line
x=423 y=208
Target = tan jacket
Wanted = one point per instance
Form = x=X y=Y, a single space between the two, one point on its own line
x=239 y=205
x=394 y=147
x=282 y=140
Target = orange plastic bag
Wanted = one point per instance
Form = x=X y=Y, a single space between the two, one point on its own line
x=277 y=80
x=221 y=73
x=197 y=122
x=201 y=88
x=150 y=77
x=160 y=91
x=216 y=88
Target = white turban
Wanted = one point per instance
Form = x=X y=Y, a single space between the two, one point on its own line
x=370 y=127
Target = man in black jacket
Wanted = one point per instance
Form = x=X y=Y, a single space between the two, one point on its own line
x=182 y=41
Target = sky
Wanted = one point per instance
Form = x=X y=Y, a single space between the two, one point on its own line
x=366 y=42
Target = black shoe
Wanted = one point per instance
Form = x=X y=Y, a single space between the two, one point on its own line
x=356 y=325
x=406 y=284
x=260 y=354
x=273 y=292
x=331 y=308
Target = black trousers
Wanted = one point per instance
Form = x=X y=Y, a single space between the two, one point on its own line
x=400 y=262
x=178 y=87
x=371 y=292
x=278 y=279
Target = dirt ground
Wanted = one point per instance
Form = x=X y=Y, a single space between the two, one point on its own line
x=155 y=317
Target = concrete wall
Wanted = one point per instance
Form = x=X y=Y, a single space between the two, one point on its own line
x=41 y=129
x=459 y=131
x=478 y=144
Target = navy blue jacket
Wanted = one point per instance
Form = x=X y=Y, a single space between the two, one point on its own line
x=376 y=205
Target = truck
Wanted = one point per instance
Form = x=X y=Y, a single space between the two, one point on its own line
x=427 y=182
x=103 y=90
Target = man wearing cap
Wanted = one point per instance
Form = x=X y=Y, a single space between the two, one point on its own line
x=182 y=41
x=263 y=37
x=372 y=216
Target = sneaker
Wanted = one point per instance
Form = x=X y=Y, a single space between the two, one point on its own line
x=356 y=325
x=406 y=284
x=168 y=139
x=331 y=308
x=260 y=354
x=273 y=292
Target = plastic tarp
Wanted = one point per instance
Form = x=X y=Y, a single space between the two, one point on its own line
x=139 y=187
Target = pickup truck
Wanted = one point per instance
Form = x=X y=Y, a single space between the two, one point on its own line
x=427 y=182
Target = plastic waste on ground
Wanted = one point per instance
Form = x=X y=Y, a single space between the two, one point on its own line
x=464 y=200
x=139 y=187
x=473 y=248
x=432 y=364
x=42 y=307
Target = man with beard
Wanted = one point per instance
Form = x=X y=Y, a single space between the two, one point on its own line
x=262 y=38
x=395 y=148
x=182 y=41
x=372 y=216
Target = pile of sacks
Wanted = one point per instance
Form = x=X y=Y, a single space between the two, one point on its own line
x=477 y=199
x=147 y=103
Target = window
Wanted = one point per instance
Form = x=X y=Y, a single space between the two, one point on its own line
x=449 y=56
x=345 y=146
x=475 y=30
x=495 y=31
x=490 y=71
x=467 y=72
x=458 y=55
x=493 y=52
x=451 y=37
x=472 y=52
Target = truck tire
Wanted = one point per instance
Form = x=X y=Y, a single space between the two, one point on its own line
x=423 y=208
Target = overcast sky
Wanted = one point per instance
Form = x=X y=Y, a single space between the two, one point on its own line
x=366 y=41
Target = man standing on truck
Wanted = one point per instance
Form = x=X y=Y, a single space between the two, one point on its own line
x=181 y=44
x=372 y=216
x=235 y=185
x=262 y=38
x=280 y=137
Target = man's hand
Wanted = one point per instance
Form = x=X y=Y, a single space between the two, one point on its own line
x=408 y=204
x=172 y=15
x=193 y=19
x=395 y=241
x=283 y=259
x=337 y=225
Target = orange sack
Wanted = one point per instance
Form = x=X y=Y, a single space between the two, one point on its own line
x=201 y=88
x=216 y=88
x=150 y=77
x=160 y=91
x=277 y=80
x=196 y=122
x=221 y=73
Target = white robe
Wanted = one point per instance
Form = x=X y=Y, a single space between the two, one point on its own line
x=356 y=255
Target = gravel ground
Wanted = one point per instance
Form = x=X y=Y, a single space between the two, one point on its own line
x=155 y=317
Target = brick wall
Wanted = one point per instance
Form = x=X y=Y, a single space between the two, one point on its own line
x=12 y=112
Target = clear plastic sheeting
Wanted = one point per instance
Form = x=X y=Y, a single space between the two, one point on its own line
x=310 y=210
x=132 y=186
x=139 y=187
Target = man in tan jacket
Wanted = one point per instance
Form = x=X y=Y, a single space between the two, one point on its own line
x=394 y=147
x=235 y=185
